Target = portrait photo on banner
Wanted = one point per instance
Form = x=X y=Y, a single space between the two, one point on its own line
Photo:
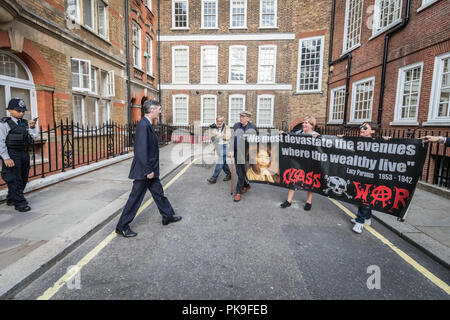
x=263 y=162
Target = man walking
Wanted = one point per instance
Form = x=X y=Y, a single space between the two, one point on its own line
x=16 y=135
x=238 y=151
x=145 y=172
x=220 y=136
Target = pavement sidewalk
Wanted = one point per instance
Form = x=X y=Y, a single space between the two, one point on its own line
x=65 y=214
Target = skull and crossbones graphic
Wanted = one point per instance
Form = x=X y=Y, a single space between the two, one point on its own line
x=337 y=185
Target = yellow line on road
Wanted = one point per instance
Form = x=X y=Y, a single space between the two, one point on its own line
x=441 y=284
x=49 y=293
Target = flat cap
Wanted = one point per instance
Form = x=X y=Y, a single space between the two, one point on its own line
x=245 y=114
x=17 y=104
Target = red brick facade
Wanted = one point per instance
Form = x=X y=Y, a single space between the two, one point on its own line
x=293 y=22
x=143 y=79
x=425 y=37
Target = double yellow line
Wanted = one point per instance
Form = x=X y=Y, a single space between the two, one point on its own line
x=49 y=293
x=438 y=282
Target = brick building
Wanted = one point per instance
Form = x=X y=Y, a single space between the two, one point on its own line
x=65 y=58
x=416 y=86
x=220 y=57
x=142 y=40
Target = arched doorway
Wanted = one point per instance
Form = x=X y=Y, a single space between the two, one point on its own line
x=16 y=81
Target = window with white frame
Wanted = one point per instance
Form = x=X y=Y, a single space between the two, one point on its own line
x=209 y=109
x=101 y=19
x=209 y=14
x=73 y=9
x=88 y=13
x=439 y=110
x=90 y=112
x=107 y=83
x=78 y=109
x=267 y=64
x=180 y=110
x=337 y=105
x=238 y=60
x=81 y=74
x=362 y=100
x=238 y=13
x=93 y=80
x=353 y=21
x=264 y=116
x=180 y=64
x=310 y=64
x=16 y=80
x=209 y=59
x=148 y=54
x=104 y=114
x=180 y=14
x=268 y=14
x=337 y=100
x=387 y=13
x=408 y=93
x=137 y=60
x=236 y=106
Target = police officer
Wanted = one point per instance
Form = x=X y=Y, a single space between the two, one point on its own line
x=16 y=135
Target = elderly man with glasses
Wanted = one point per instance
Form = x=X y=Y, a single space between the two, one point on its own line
x=220 y=135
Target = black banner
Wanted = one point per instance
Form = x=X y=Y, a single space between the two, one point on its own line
x=381 y=174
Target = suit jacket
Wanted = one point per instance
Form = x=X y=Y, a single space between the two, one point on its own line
x=146 y=151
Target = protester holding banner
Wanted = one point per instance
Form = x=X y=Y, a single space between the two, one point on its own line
x=308 y=125
x=220 y=135
x=237 y=147
x=440 y=139
x=364 y=215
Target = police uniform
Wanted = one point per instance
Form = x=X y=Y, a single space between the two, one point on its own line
x=15 y=139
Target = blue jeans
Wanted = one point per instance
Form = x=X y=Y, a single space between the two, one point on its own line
x=221 y=151
x=364 y=213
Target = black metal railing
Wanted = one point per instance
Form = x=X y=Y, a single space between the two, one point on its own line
x=69 y=145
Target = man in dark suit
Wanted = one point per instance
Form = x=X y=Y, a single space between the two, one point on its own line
x=145 y=172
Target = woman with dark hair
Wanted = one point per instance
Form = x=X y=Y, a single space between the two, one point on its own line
x=261 y=171
x=308 y=125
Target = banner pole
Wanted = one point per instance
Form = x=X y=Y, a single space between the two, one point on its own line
x=231 y=169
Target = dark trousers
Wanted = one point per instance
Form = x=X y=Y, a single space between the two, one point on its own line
x=364 y=213
x=241 y=172
x=17 y=177
x=137 y=195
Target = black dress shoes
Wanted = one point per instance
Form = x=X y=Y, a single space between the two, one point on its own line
x=227 y=178
x=9 y=203
x=23 y=208
x=128 y=233
x=166 y=221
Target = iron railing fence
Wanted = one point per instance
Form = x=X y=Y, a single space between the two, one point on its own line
x=69 y=145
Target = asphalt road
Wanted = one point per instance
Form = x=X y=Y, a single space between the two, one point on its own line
x=247 y=250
